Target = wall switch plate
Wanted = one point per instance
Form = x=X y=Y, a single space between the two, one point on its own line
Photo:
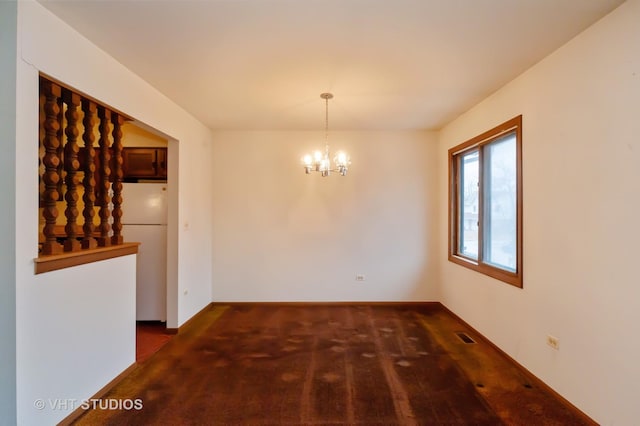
x=554 y=342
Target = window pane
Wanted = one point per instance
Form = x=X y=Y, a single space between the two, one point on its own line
x=468 y=232
x=500 y=203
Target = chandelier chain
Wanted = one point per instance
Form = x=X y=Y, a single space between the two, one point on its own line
x=326 y=124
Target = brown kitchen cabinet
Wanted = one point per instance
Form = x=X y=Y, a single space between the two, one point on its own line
x=144 y=163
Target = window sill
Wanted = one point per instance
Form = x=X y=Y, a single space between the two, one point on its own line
x=66 y=260
x=505 y=276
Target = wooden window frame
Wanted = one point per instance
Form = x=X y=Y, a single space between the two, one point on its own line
x=478 y=143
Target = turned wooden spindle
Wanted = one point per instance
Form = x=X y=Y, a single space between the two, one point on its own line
x=105 y=172
x=116 y=212
x=71 y=166
x=41 y=150
x=61 y=172
x=89 y=108
x=51 y=161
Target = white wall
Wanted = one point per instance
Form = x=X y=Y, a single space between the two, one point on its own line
x=86 y=340
x=8 y=23
x=281 y=235
x=57 y=311
x=581 y=123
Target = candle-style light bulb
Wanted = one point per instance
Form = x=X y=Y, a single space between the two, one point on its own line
x=342 y=159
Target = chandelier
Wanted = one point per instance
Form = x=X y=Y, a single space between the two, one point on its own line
x=321 y=162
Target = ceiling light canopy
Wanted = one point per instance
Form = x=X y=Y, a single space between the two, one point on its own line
x=321 y=162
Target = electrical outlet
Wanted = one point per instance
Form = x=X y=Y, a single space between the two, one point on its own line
x=359 y=277
x=554 y=342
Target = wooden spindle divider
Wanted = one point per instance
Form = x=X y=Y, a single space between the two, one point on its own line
x=89 y=108
x=51 y=162
x=71 y=166
x=63 y=161
x=117 y=174
x=105 y=172
x=61 y=172
x=41 y=150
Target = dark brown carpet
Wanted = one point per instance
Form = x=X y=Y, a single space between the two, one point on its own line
x=302 y=365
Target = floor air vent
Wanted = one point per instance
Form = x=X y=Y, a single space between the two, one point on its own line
x=465 y=338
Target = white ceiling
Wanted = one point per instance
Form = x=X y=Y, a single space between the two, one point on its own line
x=392 y=65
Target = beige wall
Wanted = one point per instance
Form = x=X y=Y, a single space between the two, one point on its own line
x=135 y=136
x=581 y=150
x=281 y=235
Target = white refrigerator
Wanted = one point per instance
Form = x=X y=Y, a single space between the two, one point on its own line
x=144 y=220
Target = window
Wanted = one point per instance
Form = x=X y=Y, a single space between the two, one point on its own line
x=485 y=203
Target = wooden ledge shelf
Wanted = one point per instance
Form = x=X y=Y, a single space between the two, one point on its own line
x=66 y=260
